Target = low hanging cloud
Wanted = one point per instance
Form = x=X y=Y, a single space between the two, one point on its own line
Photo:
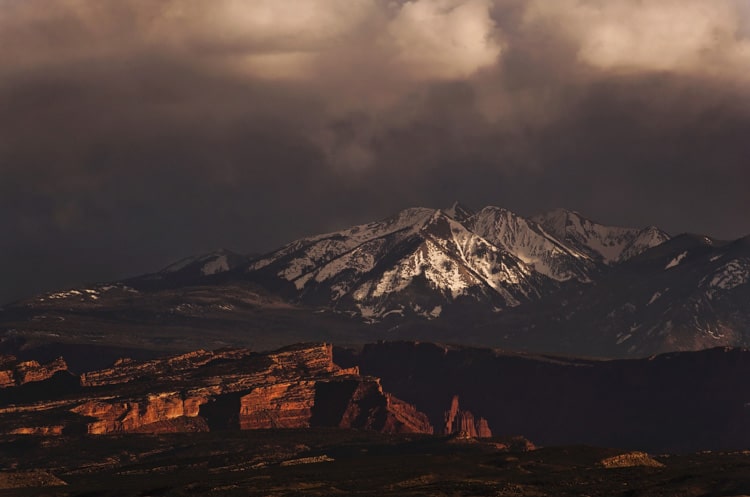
x=136 y=132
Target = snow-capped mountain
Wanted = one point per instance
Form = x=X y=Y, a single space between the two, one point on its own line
x=608 y=244
x=557 y=282
x=416 y=262
x=421 y=261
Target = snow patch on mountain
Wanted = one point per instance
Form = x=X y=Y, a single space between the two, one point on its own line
x=82 y=294
x=676 y=261
x=214 y=266
x=431 y=262
x=655 y=297
x=731 y=275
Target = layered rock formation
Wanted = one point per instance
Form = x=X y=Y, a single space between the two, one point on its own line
x=125 y=370
x=15 y=373
x=295 y=387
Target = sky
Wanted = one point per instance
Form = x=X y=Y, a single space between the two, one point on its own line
x=137 y=132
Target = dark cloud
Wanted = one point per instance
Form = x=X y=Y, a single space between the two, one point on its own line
x=135 y=135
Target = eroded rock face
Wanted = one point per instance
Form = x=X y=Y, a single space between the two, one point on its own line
x=138 y=415
x=463 y=423
x=14 y=373
x=295 y=387
x=281 y=405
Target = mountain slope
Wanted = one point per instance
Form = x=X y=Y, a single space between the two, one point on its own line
x=413 y=263
x=530 y=243
x=191 y=269
x=689 y=293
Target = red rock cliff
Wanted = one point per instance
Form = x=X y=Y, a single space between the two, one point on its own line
x=294 y=387
x=14 y=373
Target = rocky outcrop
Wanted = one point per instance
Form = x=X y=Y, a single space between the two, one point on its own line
x=483 y=429
x=6 y=378
x=463 y=423
x=369 y=407
x=137 y=415
x=344 y=401
x=14 y=373
x=295 y=387
x=631 y=460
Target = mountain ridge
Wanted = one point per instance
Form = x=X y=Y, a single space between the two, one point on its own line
x=498 y=253
x=553 y=283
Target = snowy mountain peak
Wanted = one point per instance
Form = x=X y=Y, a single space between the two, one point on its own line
x=422 y=259
x=531 y=244
x=414 y=262
x=609 y=244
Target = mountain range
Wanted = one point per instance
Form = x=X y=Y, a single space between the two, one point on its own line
x=554 y=283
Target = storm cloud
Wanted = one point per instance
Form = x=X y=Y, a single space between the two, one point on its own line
x=136 y=132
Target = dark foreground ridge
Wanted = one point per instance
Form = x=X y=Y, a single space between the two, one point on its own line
x=323 y=462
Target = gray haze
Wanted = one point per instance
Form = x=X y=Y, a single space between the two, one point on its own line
x=136 y=132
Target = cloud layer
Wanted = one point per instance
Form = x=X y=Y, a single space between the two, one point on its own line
x=136 y=132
